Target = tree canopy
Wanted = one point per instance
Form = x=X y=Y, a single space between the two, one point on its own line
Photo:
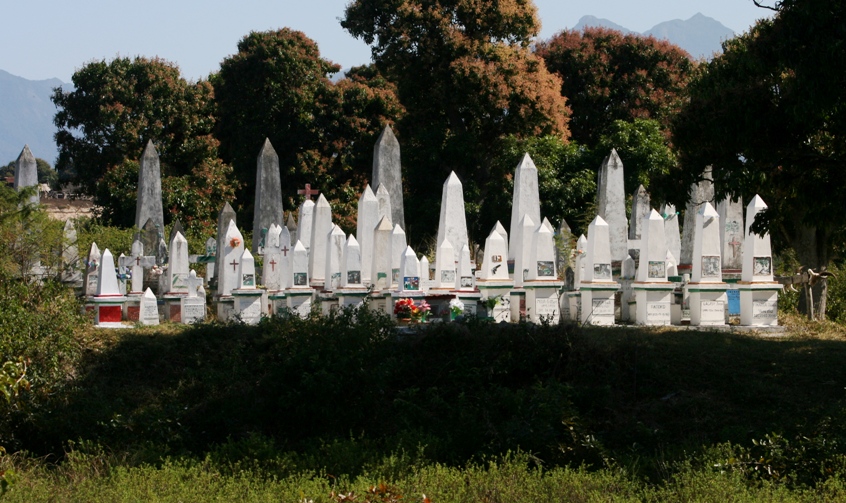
x=277 y=86
x=607 y=76
x=107 y=119
x=468 y=80
x=769 y=115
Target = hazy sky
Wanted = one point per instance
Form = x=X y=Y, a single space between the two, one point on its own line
x=42 y=39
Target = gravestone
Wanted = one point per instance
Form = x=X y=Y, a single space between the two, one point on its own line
x=351 y=264
x=465 y=279
x=640 y=209
x=731 y=233
x=291 y=225
x=542 y=285
x=276 y=259
x=611 y=204
x=672 y=235
x=700 y=193
x=92 y=270
x=335 y=243
x=597 y=285
x=384 y=199
x=563 y=243
x=178 y=267
x=525 y=199
x=542 y=254
x=108 y=301
x=453 y=223
x=653 y=292
x=71 y=274
x=368 y=217
x=445 y=270
x=494 y=283
x=194 y=305
x=387 y=172
x=149 y=202
x=305 y=223
x=398 y=245
x=148 y=313
x=523 y=241
x=209 y=258
x=233 y=248
x=300 y=295
x=425 y=274
x=321 y=227
x=706 y=288
x=248 y=300
x=382 y=269
x=758 y=290
x=176 y=228
x=268 y=202
x=409 y=271
x=226 y=215
x=26 y=174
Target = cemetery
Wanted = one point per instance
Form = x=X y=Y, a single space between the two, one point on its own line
x=627 y=270
x=297 y=283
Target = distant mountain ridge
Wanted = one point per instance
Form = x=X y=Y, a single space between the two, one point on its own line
x=701 y=36
x=26 y=117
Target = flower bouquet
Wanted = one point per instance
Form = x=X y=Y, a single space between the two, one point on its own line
x=406 y=309
x=456 y=309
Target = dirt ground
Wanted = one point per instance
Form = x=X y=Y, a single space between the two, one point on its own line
x=63 y=209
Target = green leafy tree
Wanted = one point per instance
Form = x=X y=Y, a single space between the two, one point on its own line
x=468 y=80
x=643 y=147
x=277 y=87
x=608 y=76
x=770 y=115
x=114 y=109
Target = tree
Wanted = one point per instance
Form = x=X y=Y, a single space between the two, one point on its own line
x=114 y=109
x=608 y=76
x=468 y=80
x=643 y=147
x=277 y=87
x=770 y=115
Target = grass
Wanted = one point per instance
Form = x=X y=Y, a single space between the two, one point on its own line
x=293 y=410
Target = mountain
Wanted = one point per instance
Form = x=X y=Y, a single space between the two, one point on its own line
x=701 y=36
x=586 y=21
x=26 y=117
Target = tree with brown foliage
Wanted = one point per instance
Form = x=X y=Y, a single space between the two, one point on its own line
x=468 y=79
x=608 y=76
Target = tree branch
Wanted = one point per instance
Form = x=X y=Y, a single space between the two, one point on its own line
x=774 y=8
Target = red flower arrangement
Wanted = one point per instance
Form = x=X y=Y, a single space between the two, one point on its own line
x=407 y=309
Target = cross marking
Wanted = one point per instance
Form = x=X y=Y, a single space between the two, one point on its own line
x=137 y=261
x=273 y=264
x=285 y=250
x=234 y=265
x=308 y=191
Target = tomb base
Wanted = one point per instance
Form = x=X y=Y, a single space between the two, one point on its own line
x=597 y=303
x=277 y=303
x=132 y=306
x=225 y=308
x=708 y=304
x=249 y=304
x=542 y=301
x=351 y=297
x=627 y=298
x=193 y=310
x=759 y=304
x=300 y=301
x=173 y=307
x=379 y=301
x=654 y=303
x=499 y=292
x=108 y=311
x=574 y=301
x=328 y=302
x=518 y=304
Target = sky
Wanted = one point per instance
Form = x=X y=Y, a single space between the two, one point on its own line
x=43 y=39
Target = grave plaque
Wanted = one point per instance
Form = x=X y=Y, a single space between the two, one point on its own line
x=657 y=313
x=762 y=266
x=711 y=266
x=149 y=314
x=547 y=309
x=602 y=311
x=733 y=301
x=249 y=307
x=657 y=269
x=411 y=283
x=448 y=277
x=764 y=311
x=546 y=268
x=193 y=310
x=712 y=312
x=602 y=271
x=304 y=309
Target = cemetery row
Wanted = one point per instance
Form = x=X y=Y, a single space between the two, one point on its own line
x=640 y=270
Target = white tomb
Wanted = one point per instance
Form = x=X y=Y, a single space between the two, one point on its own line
x=300 y=295
x=321 y=227
x=597 y=286
x=249 y=300
x=758 y=290
x=542 y=284
x=107 y=300
x=494 y=283
x=148 y=313
x=708 y=301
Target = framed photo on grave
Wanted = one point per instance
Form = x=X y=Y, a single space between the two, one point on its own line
x=711 y=266
x=448 y=276
x=762 y=266
x=602 y=271
x=354 y=277
x=546 y=268
x=411 y=283
x=300 y=279
x=657 y=269
x=249 y=280
x=466 y=281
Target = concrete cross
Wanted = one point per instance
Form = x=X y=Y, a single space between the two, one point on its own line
x=308 y=191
